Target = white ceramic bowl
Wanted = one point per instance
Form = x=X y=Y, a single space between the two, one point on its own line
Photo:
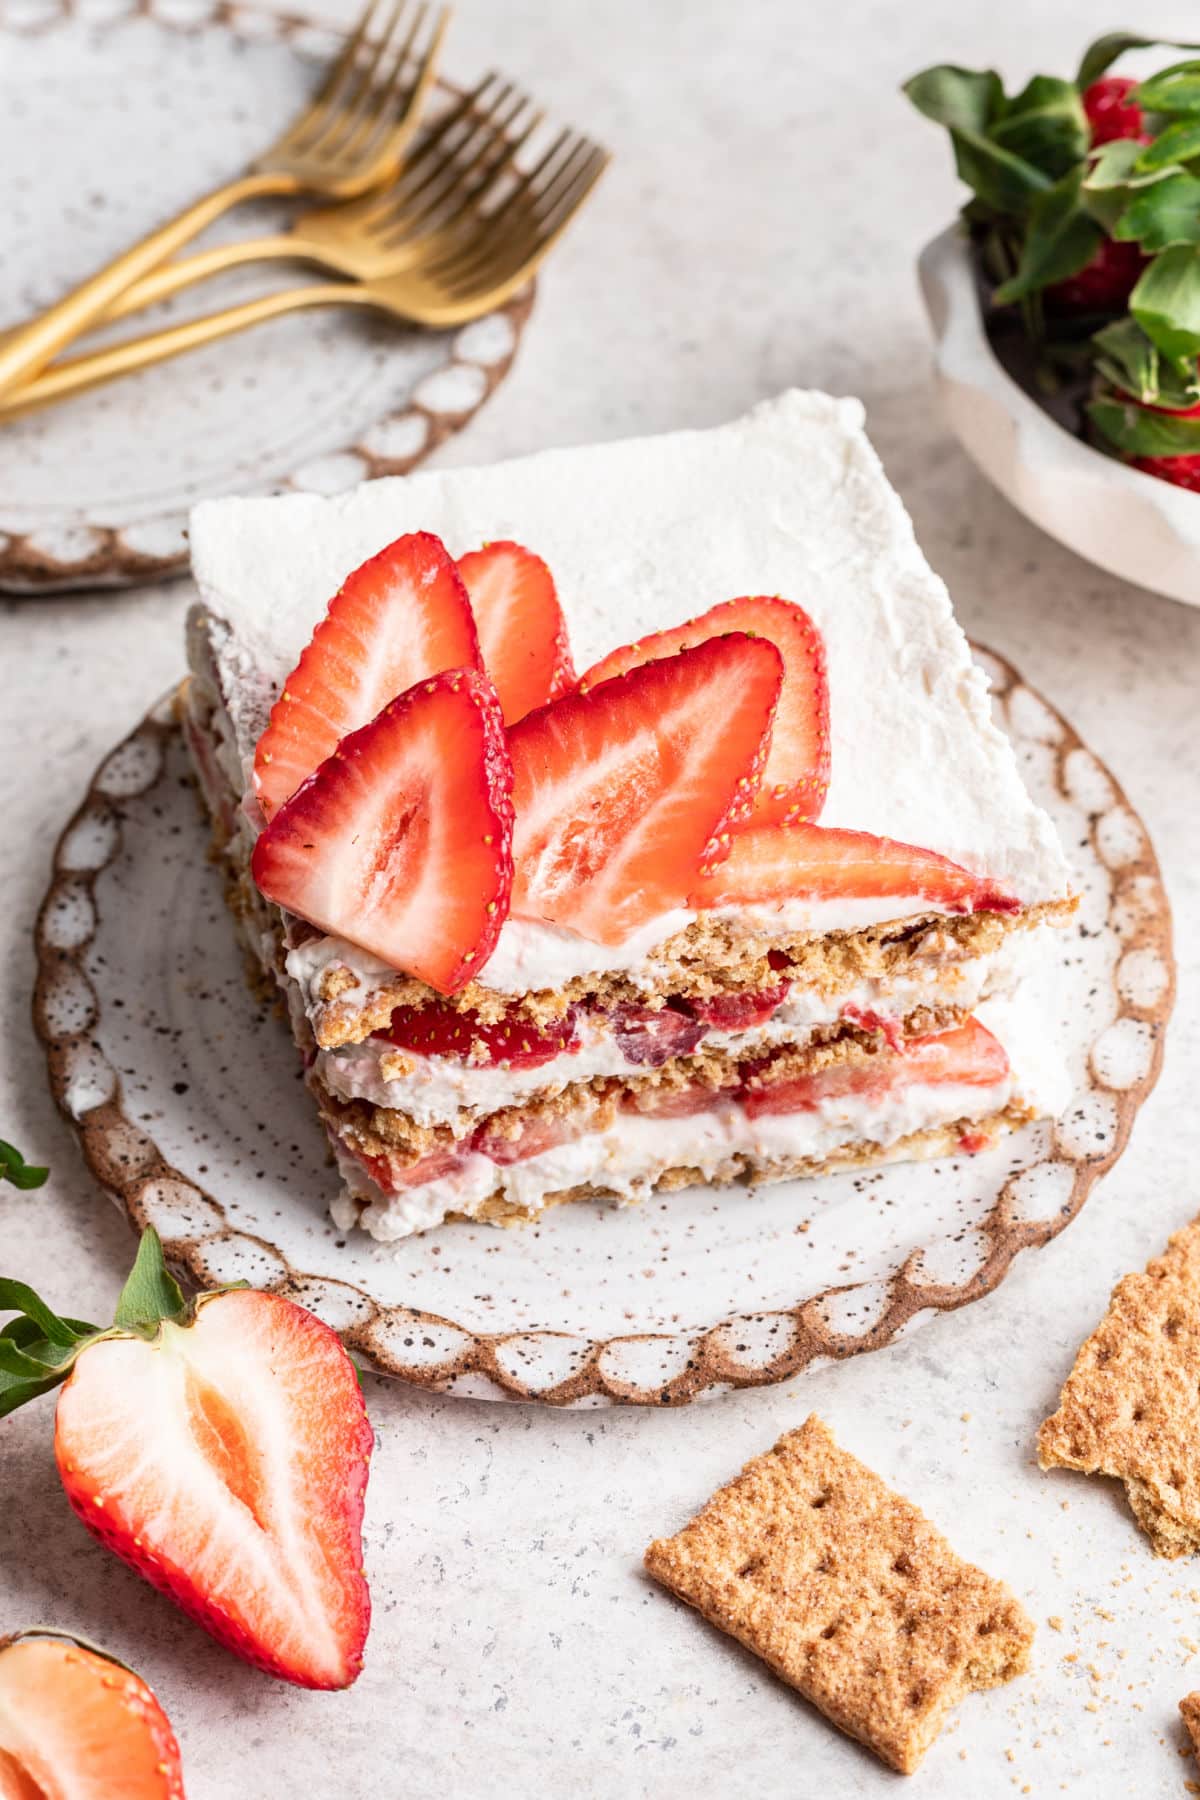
x=1131 y=524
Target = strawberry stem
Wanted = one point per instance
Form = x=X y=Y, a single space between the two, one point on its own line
x=38 y=1348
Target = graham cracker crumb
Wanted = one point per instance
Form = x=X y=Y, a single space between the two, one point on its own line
x=847 y=1592
x=1130 y=1407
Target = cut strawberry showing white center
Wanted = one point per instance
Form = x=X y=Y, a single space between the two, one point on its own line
x=809 y=862
x=401 y=841
x=522 y=632
x=402 y=616
x=796 y=775
x=620 y=792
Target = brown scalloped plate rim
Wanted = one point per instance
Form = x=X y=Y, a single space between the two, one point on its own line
x=112 y=559
x=128 y=1165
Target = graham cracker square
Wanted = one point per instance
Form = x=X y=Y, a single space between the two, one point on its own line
x=1131 y=1404
x=1189 y=1706
x=847 y=1592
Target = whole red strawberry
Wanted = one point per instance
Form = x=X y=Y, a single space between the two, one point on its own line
x=1105 y=285
x=1111 y=113
x=1180 y=471
x=219 y=1446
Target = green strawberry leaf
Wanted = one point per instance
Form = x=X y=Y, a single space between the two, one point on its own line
x=16 y=1296
x=1173 y=90
x=1165 y=213
x=1061 y=239
x=1166 y=302
x=151 y=1293
x=1045 y=125
x=1177 y=144
x=1137 y=432
x=14 y=1168
x=1006 y=182
x=1104 y=51
x=968 y=99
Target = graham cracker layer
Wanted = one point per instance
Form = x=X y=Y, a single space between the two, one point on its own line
x=1130 y=1407
x=846 y=1591
x=741 y=1167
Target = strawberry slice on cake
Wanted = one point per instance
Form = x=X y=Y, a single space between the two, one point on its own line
x=400 y=841
x=402 y=615
x=522 y=632
x=796 y=774
x=621 y=789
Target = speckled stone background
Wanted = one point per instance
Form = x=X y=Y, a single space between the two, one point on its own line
x=758 y=229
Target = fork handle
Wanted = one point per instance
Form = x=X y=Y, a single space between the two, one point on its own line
x=74 y=374
x=32 y=346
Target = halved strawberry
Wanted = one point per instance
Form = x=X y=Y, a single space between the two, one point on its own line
x=76 y=1724
x=402 y=616
x=740 y=1012
x=622 y=791
x=808 y=862
x=220 y=1447
x=446 y=1031
x=968 y=1056
x=891 y=1029
x=522 y=632
x=401 y=840
x=796 y=777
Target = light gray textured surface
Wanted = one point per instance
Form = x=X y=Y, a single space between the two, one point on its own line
x=757 y=230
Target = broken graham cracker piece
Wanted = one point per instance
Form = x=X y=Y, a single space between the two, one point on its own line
x=847 y=1592
x=1189 y=1706
x=1131 y=1405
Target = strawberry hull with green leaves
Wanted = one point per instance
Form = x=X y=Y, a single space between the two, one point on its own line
x=1085 y=215
x=220 y=1447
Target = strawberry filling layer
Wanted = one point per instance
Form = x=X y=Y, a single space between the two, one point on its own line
x=647 y=1036
x=967 y=1057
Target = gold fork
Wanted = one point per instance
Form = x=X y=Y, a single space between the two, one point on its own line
x=476 y=138
x=457 y=235
x=348 y=139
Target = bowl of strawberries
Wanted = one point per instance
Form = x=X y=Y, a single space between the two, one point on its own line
x=1065 y=302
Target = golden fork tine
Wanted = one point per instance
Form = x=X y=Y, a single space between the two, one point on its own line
x=459 y=221
x=454 y=178
x=330 y=94
x=513 y=265
x=557 y=157
x=507 y=244
x=443 y=167
x=340 y=120
x=378 y=121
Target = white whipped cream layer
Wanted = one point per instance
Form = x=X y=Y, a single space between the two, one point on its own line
x=630 y=1156
x=645 y=534
x=439 y=1089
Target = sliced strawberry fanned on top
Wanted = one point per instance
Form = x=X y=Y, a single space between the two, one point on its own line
x=621 y=792
x=522 y=632
x=402 y=840
x=400 y=617
x=808 y=862
x=796 y=778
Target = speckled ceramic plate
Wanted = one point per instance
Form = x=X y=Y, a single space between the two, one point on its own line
x=177 y=96
x=189 y=1106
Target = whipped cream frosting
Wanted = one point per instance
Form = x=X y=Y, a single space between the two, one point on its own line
x=640 y=535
